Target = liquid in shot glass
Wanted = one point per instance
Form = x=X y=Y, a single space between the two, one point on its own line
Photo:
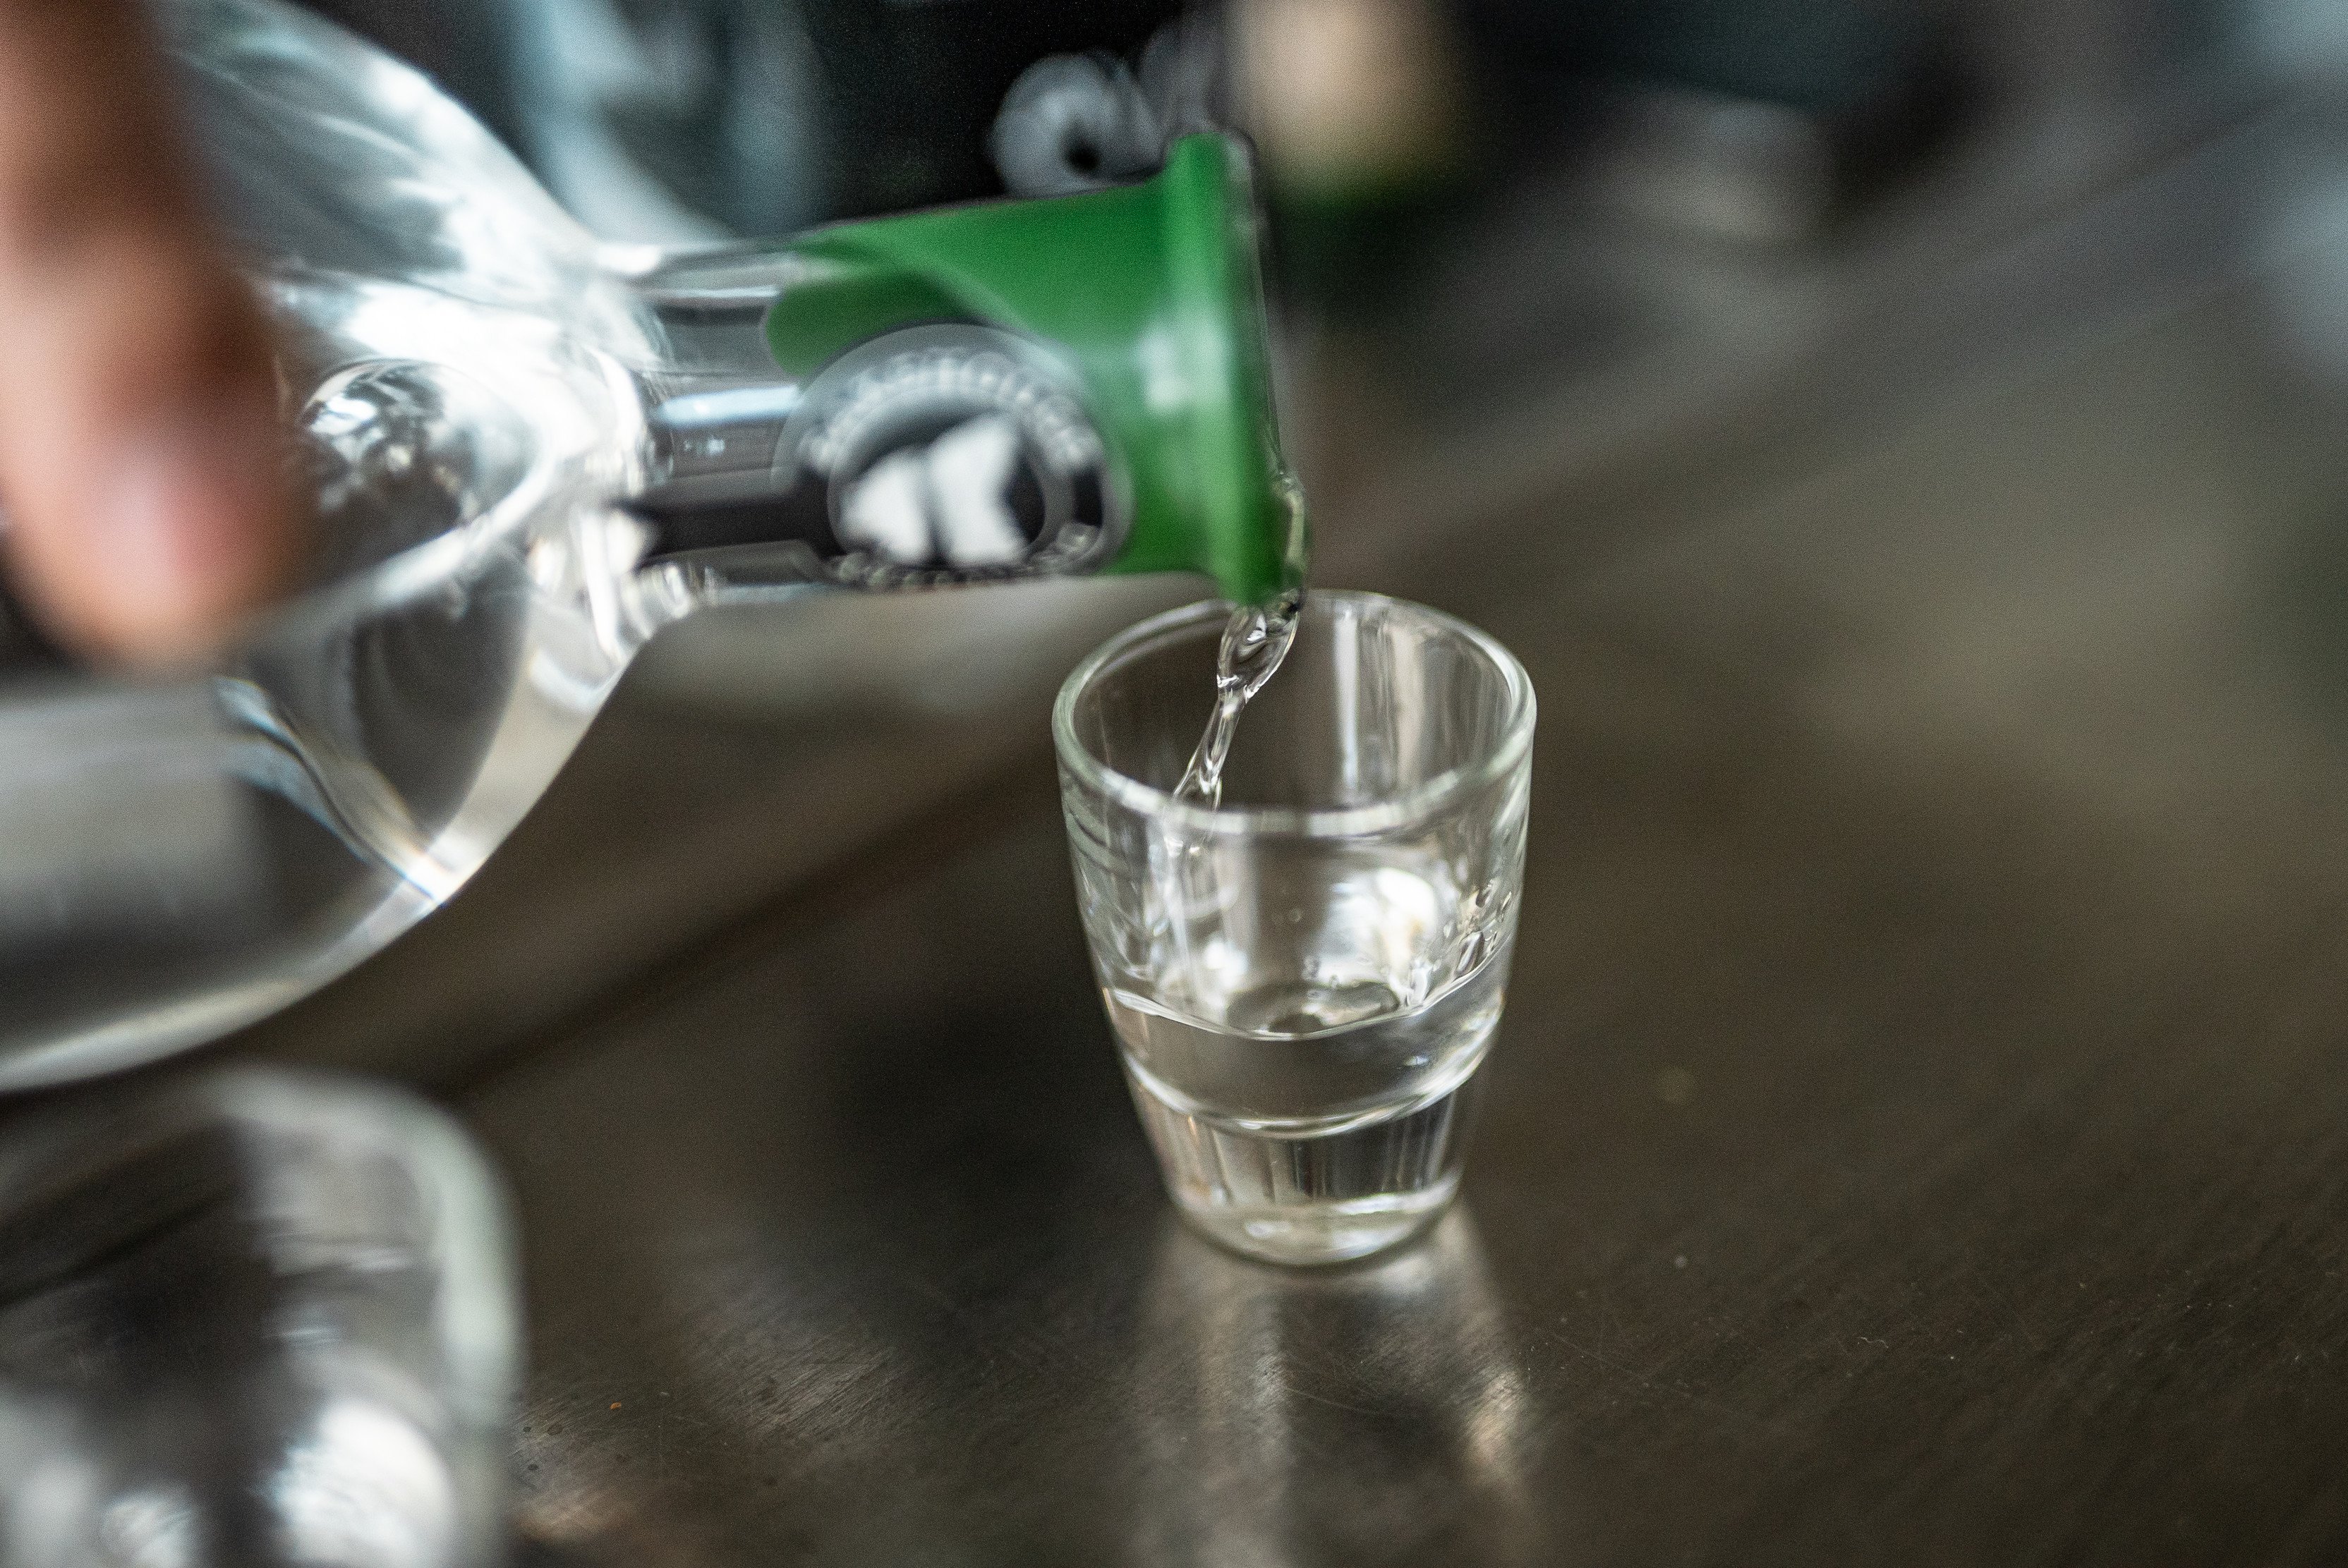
x=1304 y=977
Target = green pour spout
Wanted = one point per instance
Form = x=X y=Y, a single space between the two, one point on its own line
x=1151 y=295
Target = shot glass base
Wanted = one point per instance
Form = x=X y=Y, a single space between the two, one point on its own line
x=1310 y=1197
x=1306 y=1234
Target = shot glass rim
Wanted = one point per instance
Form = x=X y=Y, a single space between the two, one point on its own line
x=1413 y=805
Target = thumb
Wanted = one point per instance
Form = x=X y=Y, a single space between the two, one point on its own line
x=140 y=450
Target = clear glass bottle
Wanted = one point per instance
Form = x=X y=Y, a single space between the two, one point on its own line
x=531 y=453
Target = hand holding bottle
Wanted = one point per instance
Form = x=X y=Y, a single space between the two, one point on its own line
x=146 y=504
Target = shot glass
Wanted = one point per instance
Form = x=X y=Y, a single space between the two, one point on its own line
x=1303 y=979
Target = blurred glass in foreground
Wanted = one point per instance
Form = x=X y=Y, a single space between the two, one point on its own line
x=253 y=1319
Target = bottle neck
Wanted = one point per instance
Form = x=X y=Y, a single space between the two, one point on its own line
x=927 y=450
x=1008 y=390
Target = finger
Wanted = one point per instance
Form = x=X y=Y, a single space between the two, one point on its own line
x=139 y=439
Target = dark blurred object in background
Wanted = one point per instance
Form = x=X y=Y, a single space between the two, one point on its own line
x=1536 y=185
x=673 y=119
x=1383 y=124
x=662 y=119
x=1749 y=119
x=908 y=91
